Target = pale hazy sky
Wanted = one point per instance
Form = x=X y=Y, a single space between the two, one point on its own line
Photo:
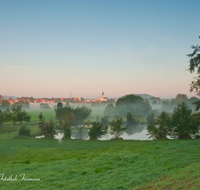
x=49 y=48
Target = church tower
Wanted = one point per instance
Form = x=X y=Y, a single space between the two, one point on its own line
x=102 y=95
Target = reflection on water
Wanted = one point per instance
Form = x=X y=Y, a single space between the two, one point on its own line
x=134 y=132
x=80 y=133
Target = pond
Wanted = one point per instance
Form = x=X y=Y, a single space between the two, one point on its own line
x=134 y=132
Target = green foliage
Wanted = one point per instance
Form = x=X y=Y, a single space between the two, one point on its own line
x=159 y=128
x=66 y=124
x=17 y=114
x=109 y=111
x=24 y=131
x=193 y=66
x=105 y=120
x=67 y=104
x=48 y=128
x=182 y=122
x=116 y=127
x=97 y=130
x=1 y=117
x=6 y=115
x=81 y=113
x=5 y=103
x=129 y=119
x=67 y=130
x=44 y=106
x=151 y=118
x=60 y=111
x=154 y=102
x=179 y=99
x=134 y=104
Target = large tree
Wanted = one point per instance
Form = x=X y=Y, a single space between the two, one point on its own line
x=17 y=114
x=183 y=124
x=195 y=67
x=159 y=129
x=97 y=130
x=81 y=113
x=179 y=99
x=109 y=111
x=134 y=104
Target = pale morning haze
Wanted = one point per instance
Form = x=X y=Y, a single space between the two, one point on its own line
x=51 y=48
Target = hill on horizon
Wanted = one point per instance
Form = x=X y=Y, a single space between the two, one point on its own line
x=145 y=96
x=7 y=97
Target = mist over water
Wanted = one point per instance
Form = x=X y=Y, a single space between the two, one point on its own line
x=134 y=132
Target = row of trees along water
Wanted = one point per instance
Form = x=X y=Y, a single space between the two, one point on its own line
x=127 y=111
x=182 y=123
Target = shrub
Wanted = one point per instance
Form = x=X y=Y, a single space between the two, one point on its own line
x=97 y=130
x=116 y=127
x=183 y=122
x=151 y=118
x=48 y=128
x=24 y=131
x=160 y=128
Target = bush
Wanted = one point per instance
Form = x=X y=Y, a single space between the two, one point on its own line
x=116 y=127
x=129 y=119
x=159 y=128
x=47 y=128
x=24 y=131
x=183 y=122
x=97 y=130
x=151 y=118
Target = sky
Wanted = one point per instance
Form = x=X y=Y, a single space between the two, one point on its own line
x=50 y=48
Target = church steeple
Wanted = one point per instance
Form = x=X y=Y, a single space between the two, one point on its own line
x=102 y=94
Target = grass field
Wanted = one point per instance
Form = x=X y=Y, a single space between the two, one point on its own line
x=79 y=164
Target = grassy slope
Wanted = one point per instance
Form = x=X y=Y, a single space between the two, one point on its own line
x=78 y=164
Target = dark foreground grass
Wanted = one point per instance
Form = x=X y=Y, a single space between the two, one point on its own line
x=78 y=164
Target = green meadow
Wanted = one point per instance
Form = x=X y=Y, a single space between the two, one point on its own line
x=79 y=164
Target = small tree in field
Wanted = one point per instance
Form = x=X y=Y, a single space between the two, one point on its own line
x=116 y=127
x=68 y=120
x=22 y=115
x=6 y=117
x=159 y=129
x=97 y=130
x=48 y=128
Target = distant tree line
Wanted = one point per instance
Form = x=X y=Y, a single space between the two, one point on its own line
x=14 y=115
x=4 y=104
